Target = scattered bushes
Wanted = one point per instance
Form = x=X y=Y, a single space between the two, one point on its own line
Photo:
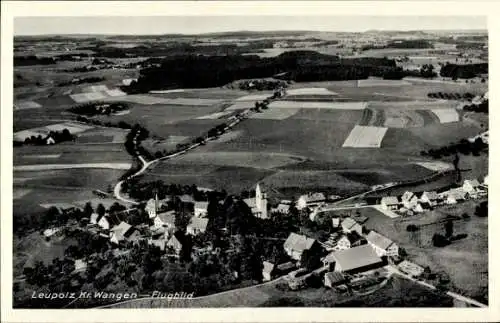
x=99 y=108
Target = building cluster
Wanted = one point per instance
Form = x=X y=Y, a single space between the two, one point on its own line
x=413 y=203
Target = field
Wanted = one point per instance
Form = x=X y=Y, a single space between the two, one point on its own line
x=463 y=260
x=318 y=105
x=365 y=137
x=447 y=115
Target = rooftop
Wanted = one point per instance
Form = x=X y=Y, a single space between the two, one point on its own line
x=378 y=240
x=356 y=257
x=298 y=242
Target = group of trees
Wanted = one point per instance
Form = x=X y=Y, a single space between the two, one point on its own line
x=451 y=96
x=57 y=136
x=121 y=124
x=468 y=71
x=261 y=85
x=464 y=147
x=427 y=71
x=33 y=60
x=481 y=107
x=189 y=70
x=98 y=108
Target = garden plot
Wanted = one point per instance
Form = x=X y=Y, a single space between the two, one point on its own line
x=380 y=82
x=215 y=115
x=365 y=137
x=446 y=115
x=436 y=166
x=254 y=97
x=318 y=105
x=275 y=114
x=21 y=105
x=310 y=91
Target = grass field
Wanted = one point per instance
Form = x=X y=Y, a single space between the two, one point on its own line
x=365 y=137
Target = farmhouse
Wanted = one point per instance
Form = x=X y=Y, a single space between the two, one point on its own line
x=197 y=226
x=470 y=186
x=281 y=208
x=200 y=209
x=160 y=243
x=410 y=268
x=432 y=198
x=296 y=244
x=335 y=223
x=175 y=244
x=351 y=239
x=187 y=199
x=383 y=246
x=409 y=200
x=107 y=222
x=50 y=232
x=120 y=232
x=94 y=218
x=310 y=199
x=349 y=225
x=165 y=220
x=357 y=259
x=258 y=205
x=333 y=279
x=389 y=203
x=455 y=195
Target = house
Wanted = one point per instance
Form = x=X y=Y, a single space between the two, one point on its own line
x=351 y=239
x=285 y=268
x=185 y=198
x=410 y=268
x=200 y=209
x=175 y=244
x=335 y=222
x=50 y=141
x=133 y=236
x=94 y=218
x=455 y=195
x=418 y=208
x=165 y=220
x=50 y=232
x=281 y=208
x=119 y=232
x=267 y=271
x=349 y=225
x=80 y=265
x=485 y=181
x=334 y=278
x=409 y=200
x=106 y=222
x=310 y=199
x=197 y=226
x=383 y=246
x=258 y=205
x=470 y=186
x=357 y=259
x=160 y=243
x=296 y=244
x=153 y=207
x=389 y=203
x=432 y=198
x=329 y=260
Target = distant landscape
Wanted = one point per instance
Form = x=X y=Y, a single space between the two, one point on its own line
x=208 y=164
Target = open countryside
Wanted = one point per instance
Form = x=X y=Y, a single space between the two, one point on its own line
x=299 y=169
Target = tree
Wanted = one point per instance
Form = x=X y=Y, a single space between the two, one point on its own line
x=411 y=228
x=482 y=209
x=448 y=226
x=88 y=210
x=100 y=209
x=438 y=240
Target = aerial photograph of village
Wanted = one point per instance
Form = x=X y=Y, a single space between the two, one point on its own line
x=202 y=167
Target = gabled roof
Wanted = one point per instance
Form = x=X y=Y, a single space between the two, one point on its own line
x=199 y=223
x=285 y=266
x=353 y=237
x=379 y=240
x=356 y=257
x=348 y=223
x=407 y=196
x=472 y=182
x=167 y=217
x=298 y=242
x=186 y=198
x=390 y=200
x=335 y=277
x=457 y=193
x=121 y=230
x=312 y=197
x=174 y=243
x=432 y=195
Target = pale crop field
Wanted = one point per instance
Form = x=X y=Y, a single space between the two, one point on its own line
x=311 y=91
x=254 y=97
x=21 y=105
x=140 y=99
x=275 y=114
x=122 y=166
x=380 y=82
x=18 y=193
x=436 y=166
x=318 y=105
x=241 y=105
x=95 y=88
x=193 y=101
x=86 y=97
x=115 y=92
x=365 y=137
x=22 y=135
x=72 y=127
x=446 y=115
x=166 y=91
x=215 y=115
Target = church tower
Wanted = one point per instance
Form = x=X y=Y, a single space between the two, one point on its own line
x=261 y=202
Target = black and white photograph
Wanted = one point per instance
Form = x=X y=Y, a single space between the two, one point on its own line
x=249 y=161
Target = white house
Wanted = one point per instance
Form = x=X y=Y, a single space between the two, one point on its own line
x=431 y=198
x=455 y=195
x=118 y=232
x=94 y=217
x=485 y=181
x=104 y=223
x=310 y=199
x=409 y=200
x=197 y=226
x=50 y=141
x=50 y=232
x=165 y=220
x=296 y=244
x=470 y=186
x=200 y=209
x=389 y=203
x=383 y=246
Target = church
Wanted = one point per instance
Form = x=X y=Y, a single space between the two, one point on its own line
x=258 y=204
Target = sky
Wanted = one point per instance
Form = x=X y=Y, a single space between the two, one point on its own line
x=207 y=24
